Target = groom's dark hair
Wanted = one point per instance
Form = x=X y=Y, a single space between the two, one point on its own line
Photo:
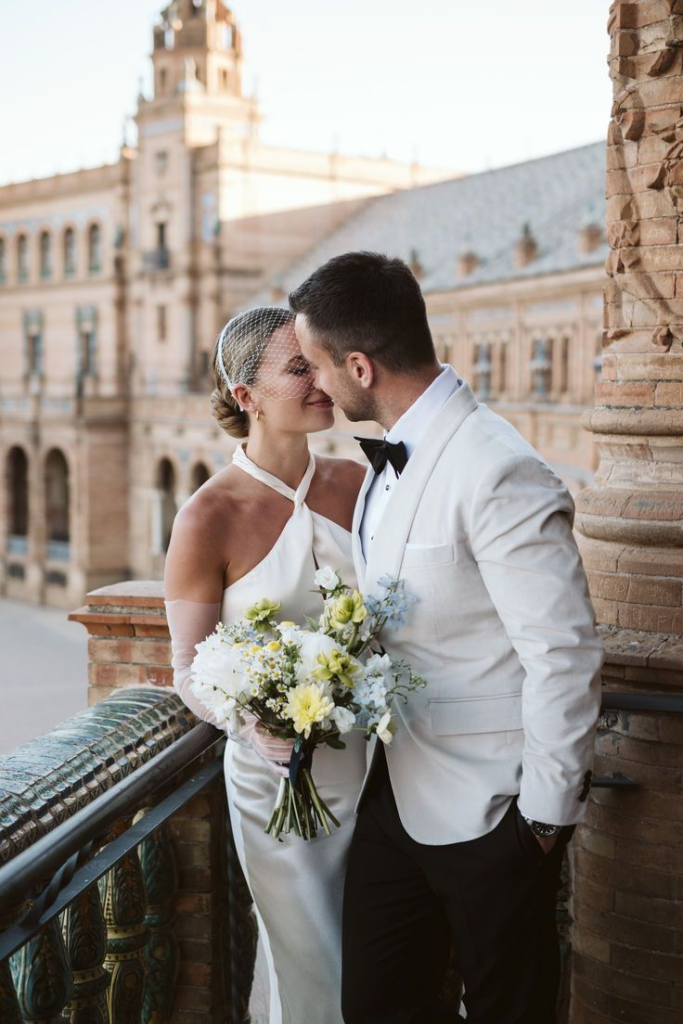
x=367 y=302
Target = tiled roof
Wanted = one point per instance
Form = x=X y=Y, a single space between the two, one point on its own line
x=484 y=213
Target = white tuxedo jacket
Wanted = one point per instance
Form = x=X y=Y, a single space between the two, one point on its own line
x=479 y=527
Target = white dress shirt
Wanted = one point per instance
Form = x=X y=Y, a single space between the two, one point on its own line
x=412 y=425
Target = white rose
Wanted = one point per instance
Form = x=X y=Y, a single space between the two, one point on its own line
x=343 y=719
x=326 y=578
x=386 y=727
x=310 y=646
x=219 y=664
x=223 y=708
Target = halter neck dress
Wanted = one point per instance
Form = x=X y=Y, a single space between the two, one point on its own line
x=296 y=886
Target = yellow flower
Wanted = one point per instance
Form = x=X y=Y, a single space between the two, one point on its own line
x=287 y=622
x=348 y=608
x=273 y=646
x=343 y=666
x=262 y=612
x=306 y=705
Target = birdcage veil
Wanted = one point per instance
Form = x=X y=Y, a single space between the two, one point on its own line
x=259 y=349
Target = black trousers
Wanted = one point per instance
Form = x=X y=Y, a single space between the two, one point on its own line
x=405 y=902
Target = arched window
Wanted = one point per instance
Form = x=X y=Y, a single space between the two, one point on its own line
x=482 y=371
x=57 y=505
x=45 y=254
x=502 y=368
x=541 y=367
x=3 y=260
x=166 y=485
x=563 y=369
x=17 y=499
x=23 y=260
x=69 y=252
x=95 y=249
x=200 y=474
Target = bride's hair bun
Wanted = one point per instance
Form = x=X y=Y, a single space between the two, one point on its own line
x=227 y=412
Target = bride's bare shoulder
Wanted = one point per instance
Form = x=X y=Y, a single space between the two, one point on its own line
x=217 y=500
x=344 y=474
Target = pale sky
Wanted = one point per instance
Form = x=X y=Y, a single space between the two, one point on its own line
x=456 y=84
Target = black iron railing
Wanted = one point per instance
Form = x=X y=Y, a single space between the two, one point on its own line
x=104 y=879
x=54 y=888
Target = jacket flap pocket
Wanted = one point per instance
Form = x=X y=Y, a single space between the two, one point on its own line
x=415 y=555
x=499 y=713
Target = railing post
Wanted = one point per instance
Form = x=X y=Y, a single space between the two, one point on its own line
x=9 y=1004
x=42 y=976
x=124 y=906
x=161 y=883
x=85 y=938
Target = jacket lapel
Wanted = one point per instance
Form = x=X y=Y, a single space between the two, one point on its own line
x=357 y=547
x=392 y=533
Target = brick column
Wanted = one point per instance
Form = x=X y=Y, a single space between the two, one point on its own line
x=630 y=520
x=628 y=934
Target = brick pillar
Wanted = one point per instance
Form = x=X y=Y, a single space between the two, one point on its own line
x=129 y=645
x=628 y=933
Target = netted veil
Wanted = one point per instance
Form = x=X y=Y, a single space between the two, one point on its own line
x=259 y=349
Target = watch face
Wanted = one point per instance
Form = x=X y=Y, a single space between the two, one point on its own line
x=541 y=829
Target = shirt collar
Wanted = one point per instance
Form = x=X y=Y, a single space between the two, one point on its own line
x=415 y=420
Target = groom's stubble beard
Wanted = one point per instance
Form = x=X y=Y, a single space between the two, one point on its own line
x=356 y=403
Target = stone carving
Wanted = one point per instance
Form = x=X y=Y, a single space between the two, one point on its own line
x=645 y=176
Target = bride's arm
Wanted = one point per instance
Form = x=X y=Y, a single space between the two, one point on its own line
x=189 y=623
x=193 y=580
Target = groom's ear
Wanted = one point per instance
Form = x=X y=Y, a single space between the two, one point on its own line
x=361 y=369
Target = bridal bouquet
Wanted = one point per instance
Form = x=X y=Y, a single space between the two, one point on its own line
x=310 y=684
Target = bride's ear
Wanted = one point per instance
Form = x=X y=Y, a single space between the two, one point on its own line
x=361 y=369
x=242 y=396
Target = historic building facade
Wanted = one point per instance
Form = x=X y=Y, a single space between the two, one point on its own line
x=113 y=285
x=115 y=281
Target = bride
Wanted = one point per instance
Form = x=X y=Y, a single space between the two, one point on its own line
x=260 y=528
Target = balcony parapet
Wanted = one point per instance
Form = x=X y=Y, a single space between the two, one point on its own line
x=119 y=880
x=45 y=781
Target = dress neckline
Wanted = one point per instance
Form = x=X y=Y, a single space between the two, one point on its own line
x=298 y=496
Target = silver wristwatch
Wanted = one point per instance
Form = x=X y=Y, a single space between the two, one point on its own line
x=542 y=829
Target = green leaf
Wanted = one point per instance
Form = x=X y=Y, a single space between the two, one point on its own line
x=335 y=743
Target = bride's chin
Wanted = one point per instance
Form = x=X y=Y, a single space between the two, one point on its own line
x=323 y=420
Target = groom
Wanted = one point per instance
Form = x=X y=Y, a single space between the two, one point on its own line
x=463 y=819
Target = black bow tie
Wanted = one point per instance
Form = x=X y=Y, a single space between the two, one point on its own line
x=380 y=452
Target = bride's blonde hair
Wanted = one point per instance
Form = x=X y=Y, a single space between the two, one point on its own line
x=237 y=357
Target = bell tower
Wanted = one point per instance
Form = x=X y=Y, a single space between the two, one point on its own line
x=198 y=47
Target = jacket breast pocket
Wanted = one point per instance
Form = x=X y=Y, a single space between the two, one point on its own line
x=417 y=556
x=462 y=716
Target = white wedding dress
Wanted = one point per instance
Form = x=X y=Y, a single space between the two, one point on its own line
x=297 y=886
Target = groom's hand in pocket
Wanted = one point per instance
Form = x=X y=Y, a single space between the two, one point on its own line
x=546 y=843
